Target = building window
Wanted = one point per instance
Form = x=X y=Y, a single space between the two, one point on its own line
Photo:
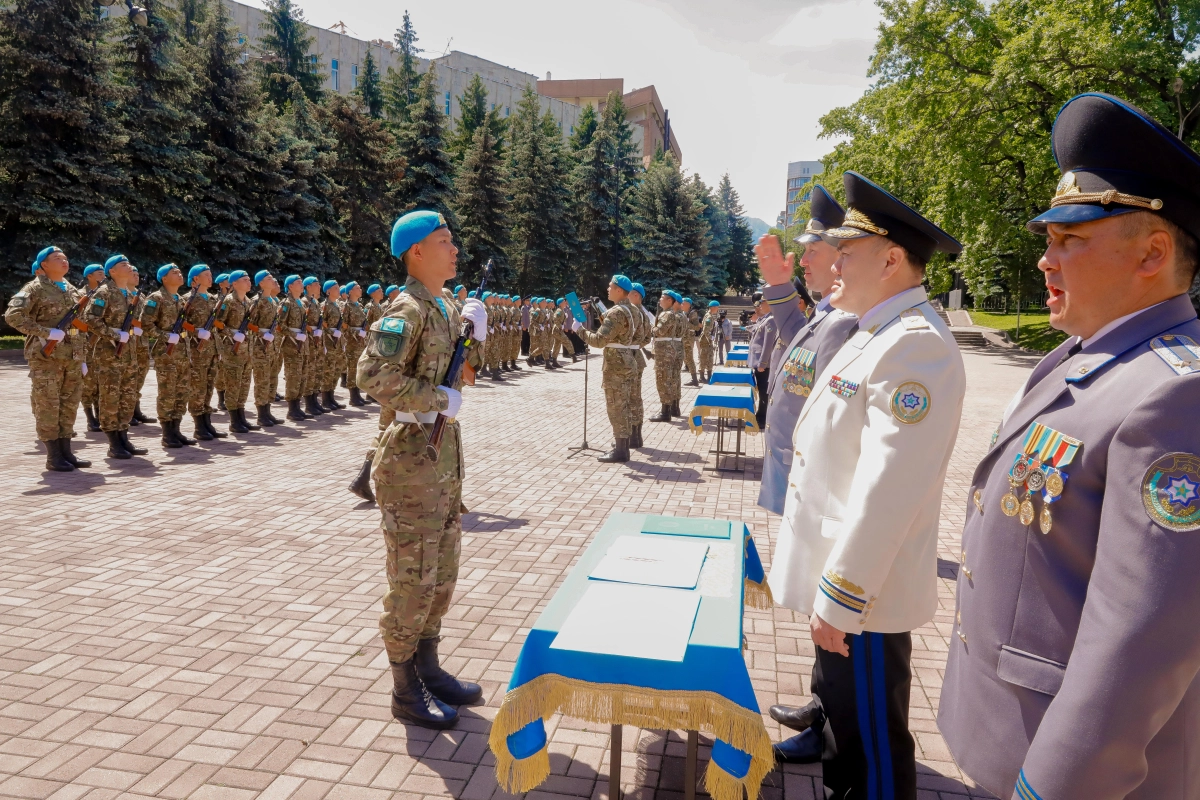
x=354 y=76
x=333 y=73
x=506 y=111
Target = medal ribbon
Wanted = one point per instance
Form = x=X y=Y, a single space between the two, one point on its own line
x=1048 y=446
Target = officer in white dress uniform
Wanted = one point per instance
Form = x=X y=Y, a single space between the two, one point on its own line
x=857 y=547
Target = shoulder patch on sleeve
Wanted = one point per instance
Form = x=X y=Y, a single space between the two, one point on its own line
x=98 y=302
x=913 y=320
x=1181 y=353
x=151 y=303
x=1171 y=492
x=391 y=325
x=910 y=402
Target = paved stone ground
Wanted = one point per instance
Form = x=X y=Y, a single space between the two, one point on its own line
x=202 y=623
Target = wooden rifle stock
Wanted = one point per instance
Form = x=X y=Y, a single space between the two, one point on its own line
x=68 y=319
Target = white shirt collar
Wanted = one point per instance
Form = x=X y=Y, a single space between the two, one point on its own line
x=1116 y=323
x=885 y=310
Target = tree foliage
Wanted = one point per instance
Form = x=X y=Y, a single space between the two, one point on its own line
x=481 y=205
x=400 y=86
x=429 y=176
x=741 y=271
x=370 y=87
x=667 y=232
x=473 y=112
x=284 y=51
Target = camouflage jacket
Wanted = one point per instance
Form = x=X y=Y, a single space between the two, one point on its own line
x=263 y=314
x=38 y=307
x=105 y=315
x=709 y=329
x=617 y=327
x=374 y=312
x=407 y=355
x=693 y=326
x=291 y=320
x=158 y=315
x=229 y=319
x=355 y=317
x=197 y=314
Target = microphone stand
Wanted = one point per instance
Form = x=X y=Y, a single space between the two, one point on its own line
x=584 y=447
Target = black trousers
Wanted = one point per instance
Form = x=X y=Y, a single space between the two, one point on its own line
x=865 y=699
x=762 y=379
x=524 y=343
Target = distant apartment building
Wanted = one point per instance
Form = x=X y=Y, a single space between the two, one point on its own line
x=644 y=110
x=799 y=187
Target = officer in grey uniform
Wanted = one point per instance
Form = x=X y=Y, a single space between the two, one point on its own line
x=1073 y=666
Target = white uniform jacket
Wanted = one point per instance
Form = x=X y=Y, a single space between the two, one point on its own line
x=858 y=540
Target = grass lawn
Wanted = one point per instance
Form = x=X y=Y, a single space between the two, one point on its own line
x=12 y=342
x=1036 y=333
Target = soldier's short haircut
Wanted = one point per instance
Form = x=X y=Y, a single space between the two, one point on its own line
x=915 y=261
x=1187 y=249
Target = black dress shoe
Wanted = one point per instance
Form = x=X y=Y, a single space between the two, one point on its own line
x=799 y=719
x=803 y=748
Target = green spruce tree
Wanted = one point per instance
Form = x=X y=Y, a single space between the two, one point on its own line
x=667 y=233
x=193 y=14
x=473 y=113
x=717 y=241
x=61 y=150
x=481 y=205
x=428 y=174
x=370 y=88
x=585 y=128
x=400 y=86
x=164 y=166
x=594 y=189
x=740 y=269
x=285 y=45
x=309 y=123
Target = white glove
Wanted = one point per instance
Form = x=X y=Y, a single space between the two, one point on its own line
x=203 y=334
x=136 y=331
x=238 y=336
x=337 y=334
x=172 y=338
x=268 y=336
x=317 y=332
x=300 y=337
x=454 y=401
x=56 y=335
x=475 y=311
x=84 y=370
x=575 y=325
x=123 y=336
x=503 y=327
x=362 y=334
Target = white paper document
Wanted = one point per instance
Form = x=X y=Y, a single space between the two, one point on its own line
x=623 y=619
x=652 y=561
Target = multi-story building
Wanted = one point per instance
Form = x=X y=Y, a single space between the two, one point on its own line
x=643 y=109
x=799 y=187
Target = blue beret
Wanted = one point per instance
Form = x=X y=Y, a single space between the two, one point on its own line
x=688 y=300
x=471 y=293
x=676 y=296
x=458 y=288
x=713 y=304
x=412 y=228
x=163 y=270
x=37 y=262
x=237 y=275
x=373 y=288
x=289 y=280
x=622 y=282
x=486 y=295
x=90 y=268
x=516 y=298
x=112 y=262
x=637 y=287
x=351 y=285
x=327 y=285
x=392 y=288
x=260 y=276
x=560 y=301
x=195 y=271
x=222 y=278
x=309 y=281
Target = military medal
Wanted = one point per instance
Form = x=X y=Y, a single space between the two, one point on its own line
x=1054 y=483
x=1038 y=468
x=1036 y=480
x=1045 y=520
x=1009 y=504
x=1026 y=511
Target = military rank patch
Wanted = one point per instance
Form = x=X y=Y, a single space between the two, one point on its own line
x=392 y=325
x=799 y=371
x=98 y=302
x=1171 y=491
x=1181 y=353
x=913 y=320
x=843 y=592
x=910 y=402
x=389 y=334
x=842 y=387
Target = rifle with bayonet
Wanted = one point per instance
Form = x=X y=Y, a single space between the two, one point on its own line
x=71 y=318
x=127 y=323
x=466 y=338
x=181 y=321
x=212 y=319
x=242 y=328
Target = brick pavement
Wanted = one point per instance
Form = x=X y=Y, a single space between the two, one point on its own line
x=201 y=623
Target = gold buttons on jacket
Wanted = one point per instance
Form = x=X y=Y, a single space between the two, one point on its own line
x=978 y=498
x=961 y=635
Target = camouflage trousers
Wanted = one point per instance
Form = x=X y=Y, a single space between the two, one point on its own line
x=637 y=408
x=689 y=355
x=386 y=417
x=333 y=364
x=236 y=372
x=667 y=360
x=706 y=357
x=314 y=357
x=91 y=389
x=293 y=355
x=561 y=342
x=264 y=366
x=202 y=376
x=172 y=373
x=514 y=344
x=114 y=377
x=422 y=530
x=56 y=386
x=620 y=373
x=219 y=377
x=354 y=349
x=142 y=368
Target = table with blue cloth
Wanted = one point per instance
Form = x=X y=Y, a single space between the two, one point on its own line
x=709 y=690
x=737 y=356
x=733 y=407
x=733 y=376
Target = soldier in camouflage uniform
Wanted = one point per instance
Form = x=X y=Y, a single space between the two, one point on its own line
x=374 y=312
x=689 y=339
x=222 y=284
x=264 y=346
x=314 y=358
x=234 y=353
x=94 y=273
x=158 y=315
x=616 y=336
x=333 y=363
x=141 y=355
x=199 y=305
x=354 y=316
x=56 y=379
x=406 y=359
x=558 y=331
x=668 y=354
x=109 y=319
x=291 y=327
x=642 y=333
x=706 y=344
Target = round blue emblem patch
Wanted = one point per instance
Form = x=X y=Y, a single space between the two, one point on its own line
x=1171 y=491
x=910 y=402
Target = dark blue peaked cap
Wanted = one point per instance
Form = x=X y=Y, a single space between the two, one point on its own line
x=876 y=212
x=826 y=213
x=1116 y=159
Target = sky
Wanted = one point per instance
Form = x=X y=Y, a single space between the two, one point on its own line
x=745 y=81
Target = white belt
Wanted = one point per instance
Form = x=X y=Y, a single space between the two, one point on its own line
x=624 y=346
x=423 y=417
x=667 y=339
x=296 y=331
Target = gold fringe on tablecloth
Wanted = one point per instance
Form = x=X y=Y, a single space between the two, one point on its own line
x=758 y=595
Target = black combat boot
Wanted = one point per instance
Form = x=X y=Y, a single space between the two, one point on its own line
x=93 y=424
x=311 y=407
x=635 y=440
x=221 y=400
x=343 y=380
x=294 y=412
x=65 y=446
x=201 y=429
x=675 y=410
x=619 y=454
x=356 y=399
x=169 y=439
x=361 y=486
x=54 y=457
x=664 y=415
x=265 y=419
x=496 y=376
x=236 y=422
x=692 y=382
x=216 y=433
x=137 y=451
x=183 y=439
x=139 y=416
x=271 y=416
x=246 y=421
x=574 y=357
x=133 y=421
x=330 y=402
x=413 y=702
x=116 y=447
x=442 y=684
x=278 y=398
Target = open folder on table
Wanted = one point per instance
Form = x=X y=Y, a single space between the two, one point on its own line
x=624 y=619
